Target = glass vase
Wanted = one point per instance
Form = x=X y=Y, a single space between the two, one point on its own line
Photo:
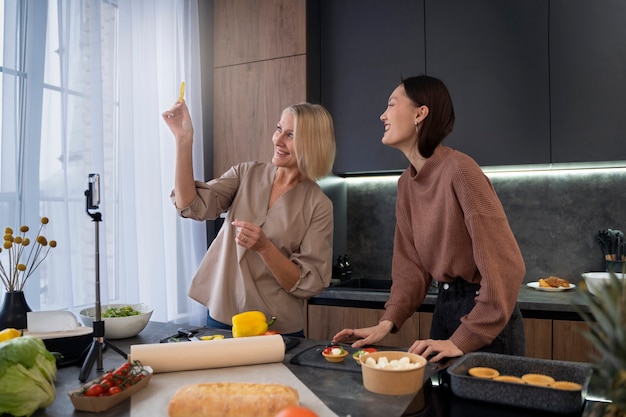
x=14 y=309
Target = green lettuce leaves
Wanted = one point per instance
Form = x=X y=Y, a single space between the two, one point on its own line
x=27 y=375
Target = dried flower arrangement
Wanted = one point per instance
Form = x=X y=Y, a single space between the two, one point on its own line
x=22 y=262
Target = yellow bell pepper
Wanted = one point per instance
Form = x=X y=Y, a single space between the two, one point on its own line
x=9 y=333
x=250 y=323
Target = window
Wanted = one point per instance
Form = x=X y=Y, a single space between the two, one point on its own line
x=61 y=121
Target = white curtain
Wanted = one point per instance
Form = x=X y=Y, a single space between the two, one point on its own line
x=99 y=74
x=159 y=48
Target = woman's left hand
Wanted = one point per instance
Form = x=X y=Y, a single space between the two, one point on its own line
x=249 y=235
x=441 y=348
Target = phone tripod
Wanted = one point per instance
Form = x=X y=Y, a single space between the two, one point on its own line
x=99 y=343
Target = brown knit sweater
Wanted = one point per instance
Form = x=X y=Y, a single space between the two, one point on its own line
x=450 y=224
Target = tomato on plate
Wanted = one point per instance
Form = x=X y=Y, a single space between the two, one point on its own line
x=298 y=411
x=369 y=349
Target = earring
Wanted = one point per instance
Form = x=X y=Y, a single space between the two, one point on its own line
x=417 y=128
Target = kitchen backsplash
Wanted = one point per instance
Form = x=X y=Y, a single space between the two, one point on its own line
x=555 y=216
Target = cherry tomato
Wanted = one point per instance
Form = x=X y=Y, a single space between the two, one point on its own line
x=369 y=349
x=329 y=350
x=115 y=390
x=94 y=391
x=122 y=370
x=106 y=385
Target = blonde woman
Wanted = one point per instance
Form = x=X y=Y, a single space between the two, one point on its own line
x=274 y=249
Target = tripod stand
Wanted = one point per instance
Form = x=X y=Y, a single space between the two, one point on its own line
x=99 y=343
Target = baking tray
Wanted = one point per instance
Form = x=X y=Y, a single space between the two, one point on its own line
x=521 y=395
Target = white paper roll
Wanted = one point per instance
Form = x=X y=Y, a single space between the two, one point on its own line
x=205 y=354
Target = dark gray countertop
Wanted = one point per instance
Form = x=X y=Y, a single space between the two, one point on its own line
x=341 y=391
x=533 y=303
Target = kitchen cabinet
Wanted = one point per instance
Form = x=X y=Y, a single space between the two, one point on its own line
x=557 y=339
x=568 y=342
x=362 y=58
x=538 y=338
x=325 y=321
x=493 y=56
x=532 y=82
x=259 y=68
x=545 y=338
x=587 y=82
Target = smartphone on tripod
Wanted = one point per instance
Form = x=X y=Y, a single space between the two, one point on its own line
x=93 y=192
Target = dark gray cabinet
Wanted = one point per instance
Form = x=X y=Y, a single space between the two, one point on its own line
x=533 y=82
x=493 y=56
x=588 y=80
x=365 y=48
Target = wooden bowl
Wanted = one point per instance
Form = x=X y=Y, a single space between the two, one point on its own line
x=393 y=381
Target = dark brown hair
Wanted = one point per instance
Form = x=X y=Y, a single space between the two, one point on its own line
x=428 y=91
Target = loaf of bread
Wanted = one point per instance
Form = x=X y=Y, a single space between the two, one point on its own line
x=232 y=399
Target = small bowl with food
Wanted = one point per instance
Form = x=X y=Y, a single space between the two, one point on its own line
x=121 y=321
x=393 y=372
x=334 y=354
x=362 y=352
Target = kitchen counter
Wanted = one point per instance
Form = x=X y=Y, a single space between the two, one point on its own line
x=561 y=305
x=341 y=391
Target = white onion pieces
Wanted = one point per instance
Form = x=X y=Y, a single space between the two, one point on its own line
x=399 y=364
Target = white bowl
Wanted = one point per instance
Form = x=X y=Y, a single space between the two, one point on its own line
x=119 y=327
x=595 y=280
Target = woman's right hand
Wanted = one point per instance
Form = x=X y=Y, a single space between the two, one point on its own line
x=365 y=336
x=178 y=120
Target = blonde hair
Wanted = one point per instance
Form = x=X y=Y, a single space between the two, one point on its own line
x=314 y=139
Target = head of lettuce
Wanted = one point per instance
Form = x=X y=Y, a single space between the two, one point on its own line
x=27 y=375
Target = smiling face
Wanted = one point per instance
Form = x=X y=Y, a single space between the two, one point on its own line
x=284 y=152
x=399 y=120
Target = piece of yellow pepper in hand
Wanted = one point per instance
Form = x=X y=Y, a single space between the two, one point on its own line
x=250 y=323
x=9 y=333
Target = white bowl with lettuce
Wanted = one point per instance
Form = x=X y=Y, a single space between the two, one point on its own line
x=28 y=375
x=121 y=321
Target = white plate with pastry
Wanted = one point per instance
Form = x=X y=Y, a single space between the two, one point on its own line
x=537 y=286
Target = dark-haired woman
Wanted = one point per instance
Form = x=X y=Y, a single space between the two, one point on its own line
x=451 y=228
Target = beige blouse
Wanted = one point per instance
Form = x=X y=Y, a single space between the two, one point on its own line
x=232 y=279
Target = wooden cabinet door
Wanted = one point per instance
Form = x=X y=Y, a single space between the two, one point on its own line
x=259 y=69
x=325 y=321
x=569 y=344
x=426 y=320
x=538 y=338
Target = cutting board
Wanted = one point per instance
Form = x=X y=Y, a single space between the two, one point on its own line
x=153 y=400
x=313 y=357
